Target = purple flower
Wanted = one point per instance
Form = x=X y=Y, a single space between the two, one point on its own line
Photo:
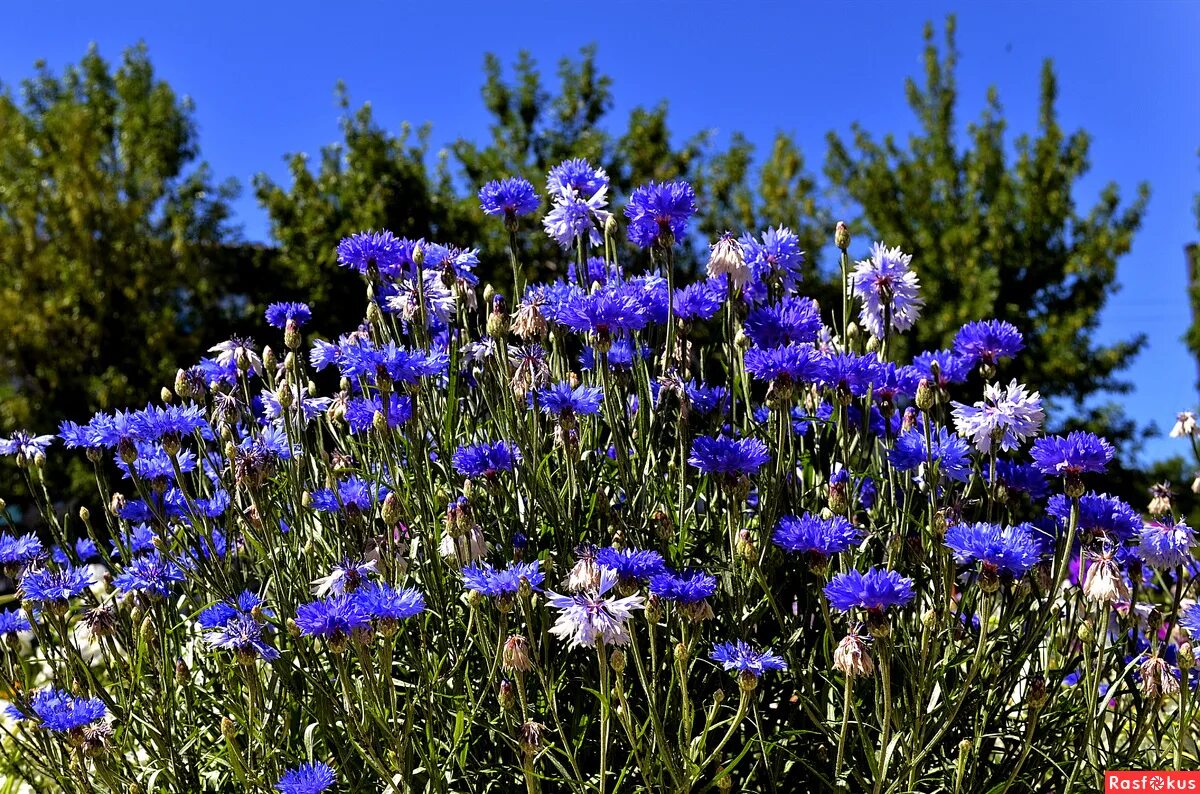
x=25 y=445
x=1166 y=543
x=745 y=659
x=13 y=621
x=951 y=368
x=242 y=634
x=311 y=778
x=1189 y=619
x=561 y=401
x=875 y=591
x=889 y=291
x=576 y=177
x=776 y=256
x=591 y=616
x=658 y=212
x=700 y=301
x=510 y=198
x=792 y=362
x=280 y=314
x=1005 y=550
x=631 y=565
x=1020 y=478
x=489 y=581
x=353 y=496
x=1006 y=416
x=360 y=412
x=946 y=449
x=608 y=311
x=1071 y=455
x=379 y=252
x=334 y=618
x=55 y=586
x=851 y=374
x=987 y=342
x=486 y=460
x=687 y=587
x=816 y=537
x=1101 y=517
x=346 y=577
x=728 y=456
x=19 y=550
x=61 y=711
x=151 y=574
x=381 y=602
x=793 y=320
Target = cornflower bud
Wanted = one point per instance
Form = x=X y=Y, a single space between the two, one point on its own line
x=165 y=394
x=85 y=515
x=530 y=737
x=681 y=653
x=148 y=631
x=1185 y=657
x=926 y=395
x=392 y=510
x=507 y=696
x=183 y=674
x=745 y=546
x=228 y=728
x=1037 y=691
x=617 y=661
x=291 y=335
x=841 y=236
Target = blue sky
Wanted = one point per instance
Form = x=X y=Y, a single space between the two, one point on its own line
x=262 y=77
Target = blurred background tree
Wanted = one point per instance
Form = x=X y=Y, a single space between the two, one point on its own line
x=125 y=263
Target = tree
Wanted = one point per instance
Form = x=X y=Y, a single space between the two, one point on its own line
x=115 y=242
x=998 y=239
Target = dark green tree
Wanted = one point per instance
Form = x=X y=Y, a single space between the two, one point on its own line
x=114 y=238
x=998 y=238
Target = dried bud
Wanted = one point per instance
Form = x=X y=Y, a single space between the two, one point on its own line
x=1157 y=679
x=530 y=737
x=516 y=654
x=851 y=658
x=117 y=504
x=228 y=728
x=392 y=511
x=1104 y=582
x=1036 y=697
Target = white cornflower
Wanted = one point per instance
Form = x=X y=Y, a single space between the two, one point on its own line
x=1006 y=415
x=1185 y=424
x=726 y=257
x=887 y=285
x=588 y=616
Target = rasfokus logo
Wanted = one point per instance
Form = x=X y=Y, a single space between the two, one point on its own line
x=1151 y=781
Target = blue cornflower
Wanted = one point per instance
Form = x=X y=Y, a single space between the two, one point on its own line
x=704 y=399
x=850 y=374
x=658 y=212
x=279 y=315
x=1000 y=550
x=486 y=460
x=875 y=591
x=1020 y=478
x=334 y=619
x=222 y=612
x=381 y=602
x=889 y=291
x=950 y=452
x=13 y=621
x=951 y=367
x=25 y=445
x=605 y=312
x=728 y=456
x=138 y=539
x=631 y=565
x=55 y=587
x=621 y=356
x=892 y=382
x=499 y=583
x=563 y=402
x=700 y=300
x=19 y=550
x=776 y=255
x=61 y=711
x=792 y=362
x=367 y=252
x=815 y=537
x=353 y=496
x=510 y=198
x=793 y=320
x=170 y=423
x=1071 y=455
x=745 y=659
x=243 y=635
x=1166 y=543
x=1189 y=619
x=360 y=412
x=987 y=342
x=596 y=271
x=151 y=574
x=120 y=429
x=576 y=177
x=311 y=778
x=396 y=363
x=1101 y=517
x=686 y=587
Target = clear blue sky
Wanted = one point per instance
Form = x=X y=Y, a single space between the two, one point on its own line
x=262 y=77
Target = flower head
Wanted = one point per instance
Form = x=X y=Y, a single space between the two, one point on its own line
x=631 y=565
x=498 y=583
x=592 y=616
x=486 y=459
x=945 y=449
x=728 y=456
x=1166 y=543
x=312 y=778
x=151 y=574
x=658 y=213
x=988 y=341
x=59 y=586
x=19 y=549
x=888 y=289
x=374 y=252
x=279 y=315
x=334 y=618
x=25 y=445
x=1006 y=417
x=61 y=711
x=509 y=198
x=1071 y=455
x=875 y=591
x=999 y=550
x=1185 y=424
x=561 y=401
x=743 y=658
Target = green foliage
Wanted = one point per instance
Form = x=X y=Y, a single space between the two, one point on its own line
x=998 y=239
x=113 y=238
